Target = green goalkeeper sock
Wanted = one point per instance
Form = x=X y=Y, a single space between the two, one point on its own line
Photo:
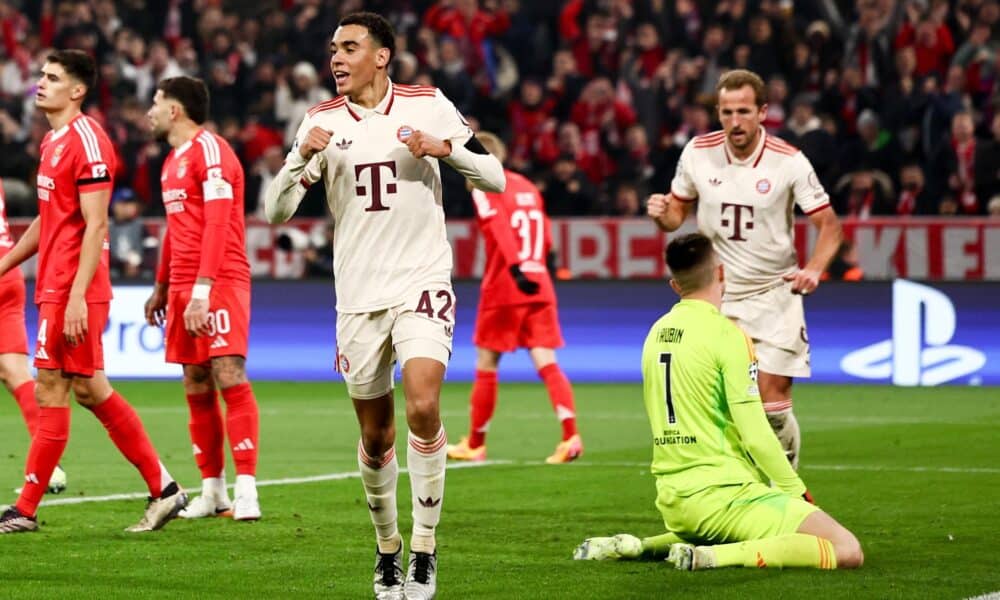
x=793 y=550
x=658 y=546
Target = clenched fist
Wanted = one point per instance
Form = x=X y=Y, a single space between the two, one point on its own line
x=423 y=144
x=316 y=141
x=656 y=206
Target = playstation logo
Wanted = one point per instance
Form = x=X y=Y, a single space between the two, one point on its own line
x=923 y=322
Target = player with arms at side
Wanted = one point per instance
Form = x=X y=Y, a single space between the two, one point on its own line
x=714 y=456
x=517 y=308
x=202 y=291
x=746 y=184
x=14 y=371
x=376 y=147
x=73 y=293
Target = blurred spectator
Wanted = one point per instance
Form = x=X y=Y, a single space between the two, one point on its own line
x=567 y=190
x=914 y=196
x=993 y=207
x=627 y=201
x=932 y=43
x=452 y=77
x=126 y=235
x=533 y=128
x=295 y=95
x=864 y=194
x=804 y=130
x=261 y=175
x=874 y=147
x=955 y=164
x=987 y=162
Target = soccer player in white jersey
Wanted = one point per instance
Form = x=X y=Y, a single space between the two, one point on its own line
x=746 y=184
x=376 y=147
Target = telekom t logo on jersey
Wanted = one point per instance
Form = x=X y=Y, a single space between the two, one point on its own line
x=376 y=186
x=742 y=219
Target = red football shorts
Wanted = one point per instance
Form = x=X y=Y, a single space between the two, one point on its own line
x=228 y=326
x=13 y=335
x=54 y=352
x=507 y=328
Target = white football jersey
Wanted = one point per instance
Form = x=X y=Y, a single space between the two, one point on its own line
x=390 y=230
x=747 y=207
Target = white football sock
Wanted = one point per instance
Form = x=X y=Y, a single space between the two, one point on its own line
x=214 y=487
x=246 y=486
x=379 y=480
x=786 y=428
x=425 y=460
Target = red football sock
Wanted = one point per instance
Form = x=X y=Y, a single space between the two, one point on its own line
x=207 y=434
x=484 y=402
x=243 y=427
x=24 y=394
x=126 y=431
x=561 y=396
x=46 y=449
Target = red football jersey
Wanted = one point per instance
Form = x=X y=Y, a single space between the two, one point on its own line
x=202 y=182
x=6 y=240
x=75 y=160
x=517 y=231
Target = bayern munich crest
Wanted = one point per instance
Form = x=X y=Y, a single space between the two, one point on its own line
x=344 y=364
x=763 y=186
x=404 y=133
x=57 y=154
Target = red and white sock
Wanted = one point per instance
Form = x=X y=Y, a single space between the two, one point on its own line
x=207 y=434
x=47 y=447
x=127 y=432
x=483 y=404
x=561 y=397
x=24 y=394
x=243 y=427
x=425 y=461
x=379 y=476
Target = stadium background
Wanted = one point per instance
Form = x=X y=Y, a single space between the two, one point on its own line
x=894 y=102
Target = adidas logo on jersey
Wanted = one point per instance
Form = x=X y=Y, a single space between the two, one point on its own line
x=245 y=445
x=219 y=342
x=344 y=144
x=41 y=354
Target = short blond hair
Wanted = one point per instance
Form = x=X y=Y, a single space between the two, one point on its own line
x=493 y=144
x=738 y=78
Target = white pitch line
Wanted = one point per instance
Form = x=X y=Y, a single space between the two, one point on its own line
x=264 y=483
x=989 y=596
x=511 y=463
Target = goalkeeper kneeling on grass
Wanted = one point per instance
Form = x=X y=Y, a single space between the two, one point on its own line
x=714 y=453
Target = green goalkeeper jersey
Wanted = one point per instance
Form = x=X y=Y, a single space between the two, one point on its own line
x=700 y=388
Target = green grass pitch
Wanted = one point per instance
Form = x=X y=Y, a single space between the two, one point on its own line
x=913 y=472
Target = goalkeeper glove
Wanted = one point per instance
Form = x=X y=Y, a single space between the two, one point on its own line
x=808 y=497
x=524 y=284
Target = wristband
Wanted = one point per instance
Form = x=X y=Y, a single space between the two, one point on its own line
x=200 y=291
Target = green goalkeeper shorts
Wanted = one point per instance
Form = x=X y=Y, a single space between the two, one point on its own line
x=731 y=513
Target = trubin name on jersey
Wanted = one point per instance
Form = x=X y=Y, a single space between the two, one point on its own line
x=673 y=437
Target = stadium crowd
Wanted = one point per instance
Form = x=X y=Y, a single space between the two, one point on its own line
x=893 y=101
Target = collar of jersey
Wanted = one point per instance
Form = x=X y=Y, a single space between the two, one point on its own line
x=62 y=130
x=699 y=304
x=359 y=112
x=754 y=156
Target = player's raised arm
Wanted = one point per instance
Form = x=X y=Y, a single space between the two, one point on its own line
x=668 y=211
x=25 y=248
x=464 y=152
x=739 y=373
x=303 y=167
